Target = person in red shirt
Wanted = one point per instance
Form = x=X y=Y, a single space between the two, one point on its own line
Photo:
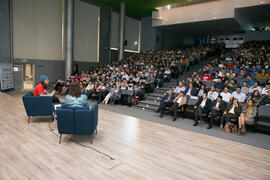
x=206 y=77
x=230 y=65
x=41 y=87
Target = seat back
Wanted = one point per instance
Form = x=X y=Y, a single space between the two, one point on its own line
x=263 y=111
x=192 y=100
x=77 y=120
x=65 y=121
x=37 y=105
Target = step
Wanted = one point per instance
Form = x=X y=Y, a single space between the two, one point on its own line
x=144 y=107
x=150 y=102
x=158 y=90
x=157 y=94
x=153 y=98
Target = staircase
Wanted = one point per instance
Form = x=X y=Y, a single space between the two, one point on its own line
x=152 y=100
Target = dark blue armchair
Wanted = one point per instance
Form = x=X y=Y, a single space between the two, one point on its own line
x=79 y=121
x=37 y=105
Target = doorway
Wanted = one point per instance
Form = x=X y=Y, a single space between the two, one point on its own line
x=28 y=72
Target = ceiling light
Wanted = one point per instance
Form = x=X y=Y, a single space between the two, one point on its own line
x=261 y=2
x=135 y=43
x=214 y=17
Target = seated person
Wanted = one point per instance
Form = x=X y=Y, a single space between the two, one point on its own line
x=245 y=88
x=232 y=111
x=226 y=95
x=262 y=75
x=179 y=88
x=167 y=101
x=255 y=97
x=150 y=84
x=248 y=114
x=201 y=91
x=140 y=89
x=220 y=85
x=265 y=89
x=206 y=77
x=232 y=85
x=41 y=88
x=75 y=99
x=266 y=99
x=202 y=107
x=241 y=97
x=179 y=101
x=217 y=109
x=159 y=79
x=212 y=94
x=248 y=79
x=190 y=91
x=255 y=86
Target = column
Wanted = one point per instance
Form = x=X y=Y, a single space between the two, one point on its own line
x=122 y=30
x=69 y=37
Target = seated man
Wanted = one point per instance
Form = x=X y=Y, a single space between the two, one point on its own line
x=255 y=86
x=159 y=79
x=217 y=109
x=226 y=95
x=212 y=94
x=266 y=99
x=220 y=85
x=179 y=101
x=140 y=89
x=167 y=101
x=241 y=97
x=190 y=91
x=179 y=88
x=232 y=111
x=202 y=107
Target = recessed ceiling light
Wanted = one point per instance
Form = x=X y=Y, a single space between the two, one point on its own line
x=214 y=17
x=261 y=2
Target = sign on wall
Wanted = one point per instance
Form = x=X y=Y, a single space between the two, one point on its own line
x=6 y=76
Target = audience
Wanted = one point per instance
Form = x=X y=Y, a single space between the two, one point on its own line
x=239 y=76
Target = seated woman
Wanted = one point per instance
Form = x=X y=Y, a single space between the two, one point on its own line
x=255 y=97
x=248 y=114
x=75 y=99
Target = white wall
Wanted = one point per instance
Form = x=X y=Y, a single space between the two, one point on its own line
x=86 y=32
x=132 y=32
x=37 y=30
x=202 y=12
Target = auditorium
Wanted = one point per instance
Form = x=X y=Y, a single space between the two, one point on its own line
x=135 y=89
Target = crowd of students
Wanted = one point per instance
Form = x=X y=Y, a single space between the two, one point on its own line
x=232 y=86
x=127 y=81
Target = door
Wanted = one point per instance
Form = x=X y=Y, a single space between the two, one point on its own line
x=18 y=76
x=28 y=76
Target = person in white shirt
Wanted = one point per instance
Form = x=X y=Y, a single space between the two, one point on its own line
x=256 y=86
x=212 y=94
x=265 y=89
x=239 y=95
x=226 y=95
x=179 y=88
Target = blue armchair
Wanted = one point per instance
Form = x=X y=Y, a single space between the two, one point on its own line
x=77 y=121
x=37 y=105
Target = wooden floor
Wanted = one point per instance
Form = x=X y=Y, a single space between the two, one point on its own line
x=124 y=148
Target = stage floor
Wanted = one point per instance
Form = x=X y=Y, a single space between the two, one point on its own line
x=124 y=148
